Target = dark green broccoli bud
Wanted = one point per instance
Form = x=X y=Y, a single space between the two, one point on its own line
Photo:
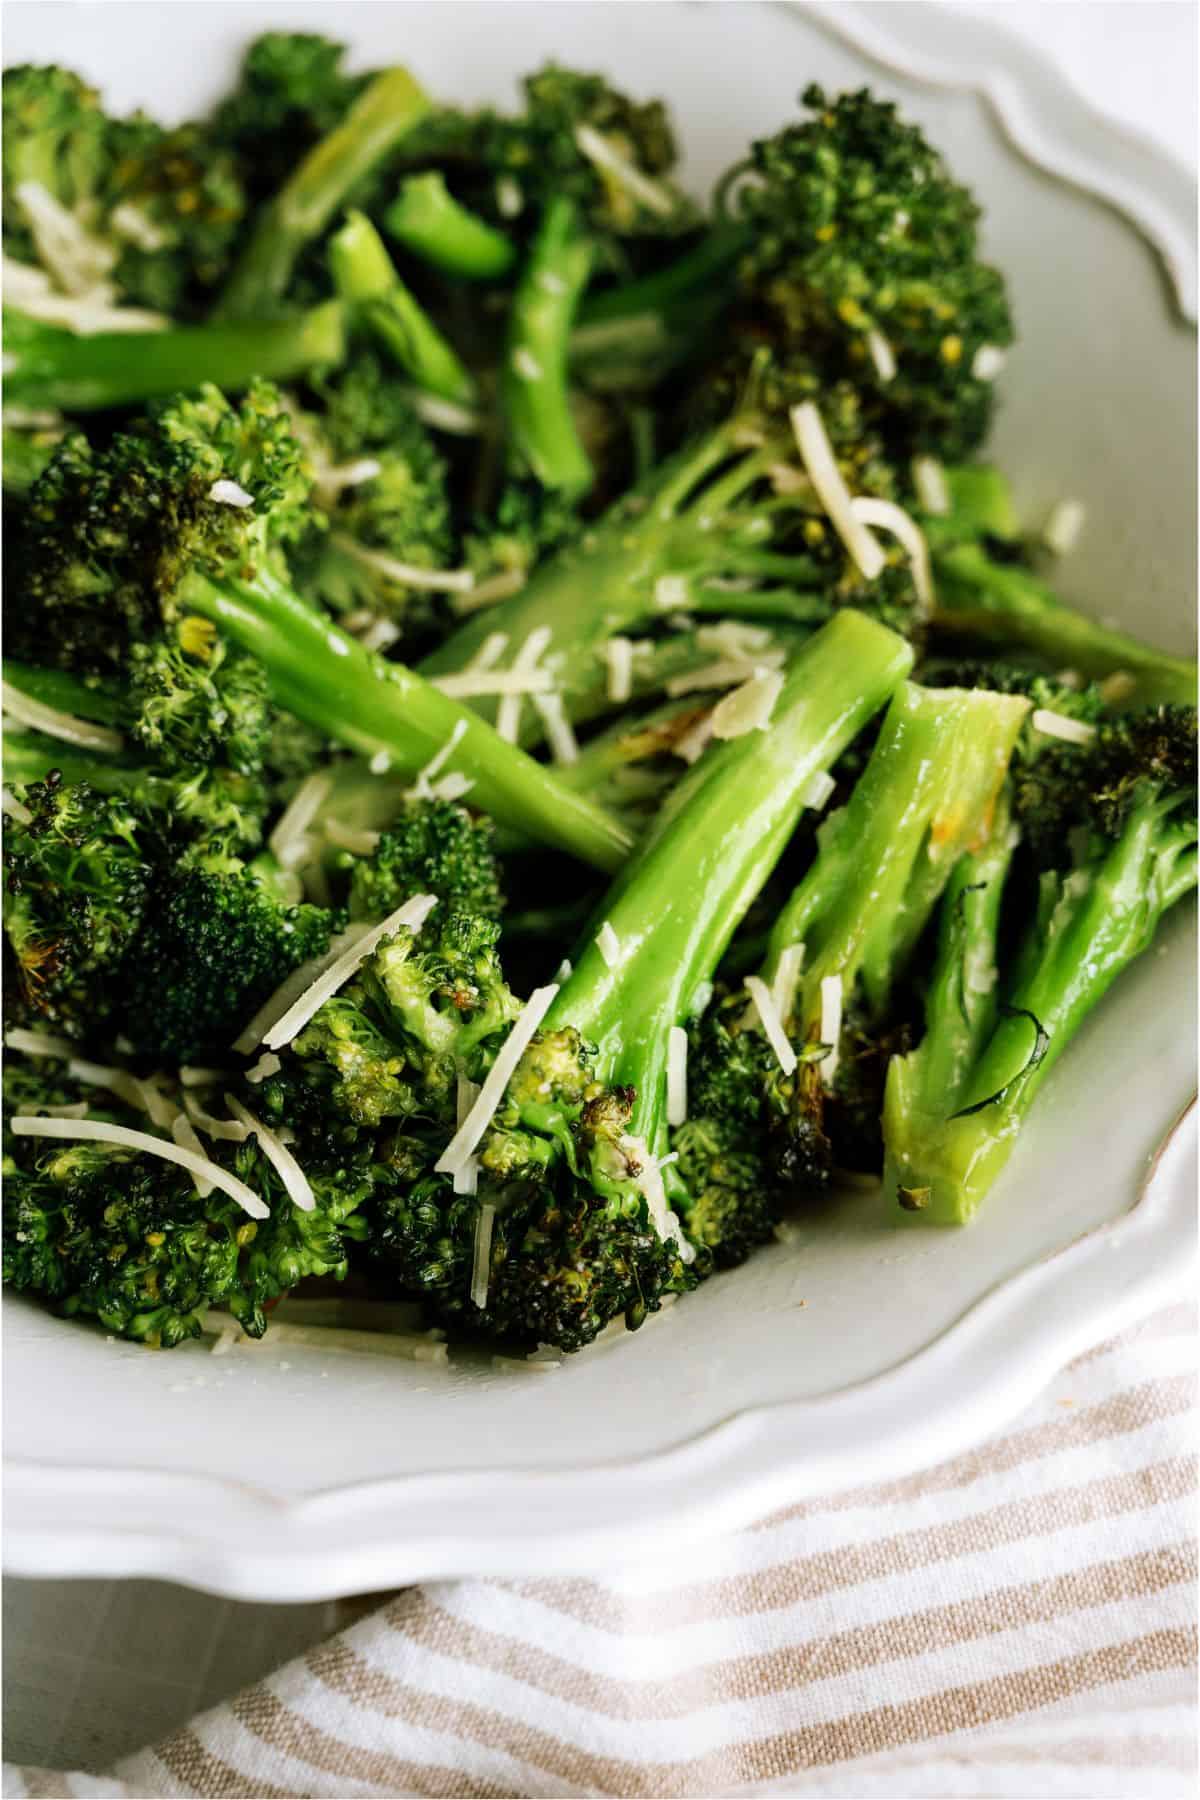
x=175 y=206
x=213 y=946
x=55 y=139
x=863 y=253
x=291 y=92
x=434 y=847
x=526 y=524
x=77 y=878
x=998 y=1021
x=294 y=1245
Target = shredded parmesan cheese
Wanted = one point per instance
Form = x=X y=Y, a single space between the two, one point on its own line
x=509 y=197
x=15 y=809
x=379 y=635
x=929 y=479
x=508 y=713
x=564 y=970
x=749 y=707
x=677 y=1052
x=735 y=639
x=292 y=987
x=481 y=1267
x=817 y=794
x=191 y=1076
x=452 y=786
x=466 y=1179
x=501 y=586
x=229 y=1131
x=348 y=837
x=37 y=1043
x=787 y=974
x=277 y=1154
x=618 y=653
x=650 y=1183
x=1057 y=725
x=559 y=735
x=449 y=581
x=831 y=1025
x=728 y=673
x=608 y=944
x=648 y=193
x=184 y=1133
x=776 y=1036
x=101 y=1132
x=889 y=517
x=56 y=724
x=1117 y=686
x=266 y=1066
x=445 y=415
x=412 y=915
x=230 y=493
x=421 y=788
x=692 y=745
x=525 y=364
x=508 y=684
x=462 y=1144
x=670 y=593
x=812 y=440
x=1060 y=533
x=987 y=362
x=287 y=842
x=881 y=354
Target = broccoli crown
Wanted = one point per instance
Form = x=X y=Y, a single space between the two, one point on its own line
x=381 y=529
x=857 y=233
x=434 y=847
x=125 y=1237
x=110 y=531
x=291 y=92
x=77 y=879
x=214 y=945
x=198 y=706
x=114 y=207
x=1096 y=786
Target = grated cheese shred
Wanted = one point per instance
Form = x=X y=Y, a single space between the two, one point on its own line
x=481 y=1266
x=677 y=1053
x=101 y=1132
x=277 y=1154
x=831 y=1025
x=1057 y=725
x=462 y=1144
x=57 y=724
x=609 y=945
x=816 y=451
x=749 y=707
x=887 y=516
x=412 y=915
x=764 y=1005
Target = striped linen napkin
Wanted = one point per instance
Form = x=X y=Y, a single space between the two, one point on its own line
x=1019 y=1621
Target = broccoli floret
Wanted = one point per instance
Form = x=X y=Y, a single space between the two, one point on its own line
x=214 y=944
x=579 y=1209
x=113 y=209
x=862 y=252
x=77 y=878
x=997 y=1020
x=154 y=527
x=434 y=847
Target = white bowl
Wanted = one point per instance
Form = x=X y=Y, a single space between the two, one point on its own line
x=856 y=1350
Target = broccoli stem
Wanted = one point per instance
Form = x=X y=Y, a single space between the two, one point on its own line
x=49 y=367
x=89 y=697
x=680 y=898
x=374 y=707
x=1004 y=604
x=366 y=279
x=533 y=382
x=427 y=219
x=642 y=329
x=947 y=1144
x=928 y=793
x=696 y=519
x=381 y=116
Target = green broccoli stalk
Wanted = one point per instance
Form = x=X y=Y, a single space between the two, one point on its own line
x=146 y=528
x=732 y=507
x=427 y=219
x=366 y=279
x=631 y=335
x=51 y=367
x=996 y=1024
x=928 y=793
x=379 y=119
x=1007 y=606
x=533 y=381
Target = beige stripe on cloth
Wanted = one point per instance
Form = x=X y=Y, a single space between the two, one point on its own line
x=1017 y=1622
